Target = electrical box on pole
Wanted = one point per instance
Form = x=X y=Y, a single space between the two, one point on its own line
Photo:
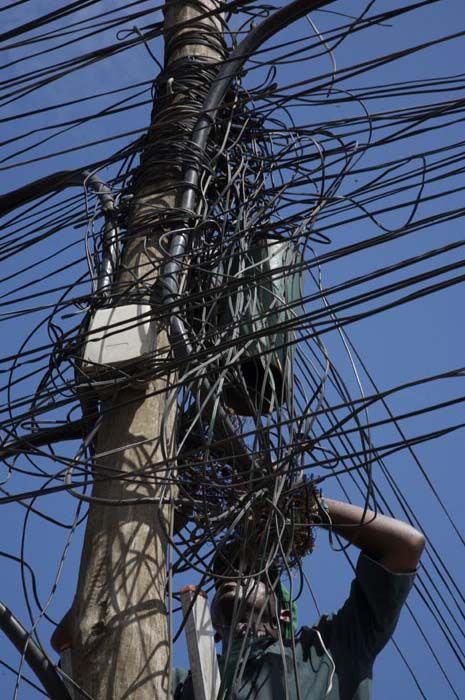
x=119 y=337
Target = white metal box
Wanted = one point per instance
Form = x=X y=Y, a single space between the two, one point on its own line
x=119 y=336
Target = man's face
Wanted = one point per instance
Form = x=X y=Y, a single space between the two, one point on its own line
x=249 y=604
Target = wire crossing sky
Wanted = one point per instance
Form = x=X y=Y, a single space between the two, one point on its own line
x=334 y=168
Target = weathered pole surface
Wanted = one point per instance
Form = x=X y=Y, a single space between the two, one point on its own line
x=118 y=620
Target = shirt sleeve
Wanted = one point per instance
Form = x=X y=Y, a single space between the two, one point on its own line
x=368 y=618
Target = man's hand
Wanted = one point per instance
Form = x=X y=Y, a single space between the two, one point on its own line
x=393 y=543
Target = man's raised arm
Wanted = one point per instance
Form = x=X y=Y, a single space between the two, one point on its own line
x=393 y=543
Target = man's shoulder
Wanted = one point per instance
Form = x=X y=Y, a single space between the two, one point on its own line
x=368 y=617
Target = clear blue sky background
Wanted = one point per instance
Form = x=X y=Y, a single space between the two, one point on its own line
x=401 y=345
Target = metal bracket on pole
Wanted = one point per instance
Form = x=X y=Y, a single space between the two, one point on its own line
x=200 y=637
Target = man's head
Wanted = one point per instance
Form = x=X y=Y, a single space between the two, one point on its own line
x=248 y=602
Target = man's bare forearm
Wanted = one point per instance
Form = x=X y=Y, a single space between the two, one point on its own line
x=395 y=544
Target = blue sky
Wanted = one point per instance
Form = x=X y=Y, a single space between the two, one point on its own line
x=401 y=345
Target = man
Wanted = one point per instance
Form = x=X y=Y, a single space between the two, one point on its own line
x=334 y=658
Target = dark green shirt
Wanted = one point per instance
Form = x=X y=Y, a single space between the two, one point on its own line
x=339 y=651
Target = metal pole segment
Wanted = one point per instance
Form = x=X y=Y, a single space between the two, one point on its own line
x=200 y=637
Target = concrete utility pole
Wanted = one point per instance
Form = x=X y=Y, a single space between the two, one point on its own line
x=118 y=620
